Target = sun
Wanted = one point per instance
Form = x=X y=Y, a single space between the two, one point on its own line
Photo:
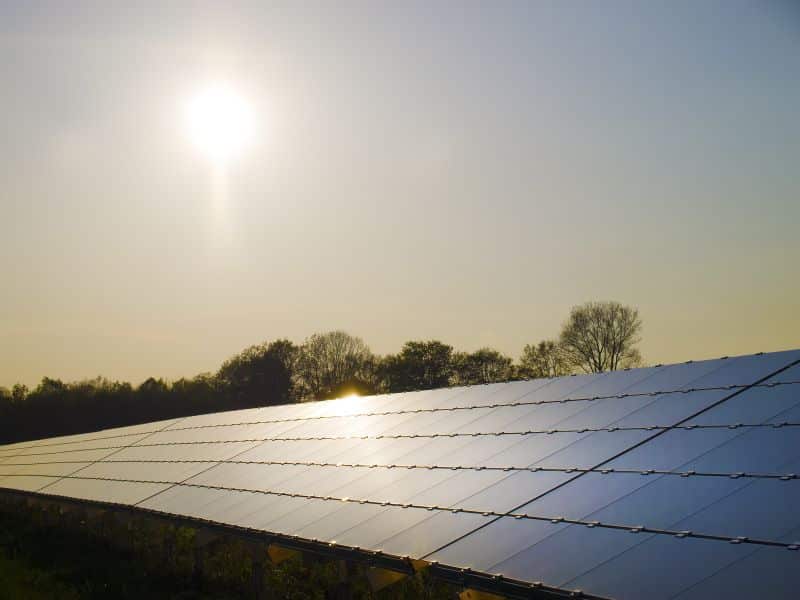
x=220 y=122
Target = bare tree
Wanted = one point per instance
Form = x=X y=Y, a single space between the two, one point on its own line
x=547 y=359
x=329 y=362
x=601 y=336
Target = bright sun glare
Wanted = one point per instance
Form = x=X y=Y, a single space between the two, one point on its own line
x=220 y=122
x=350 y=404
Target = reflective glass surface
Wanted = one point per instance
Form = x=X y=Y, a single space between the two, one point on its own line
x=662 y=566
x=761 y=573
x=105 y=491
x=731 y=451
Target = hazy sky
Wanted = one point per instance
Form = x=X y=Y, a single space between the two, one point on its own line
x=461 y=171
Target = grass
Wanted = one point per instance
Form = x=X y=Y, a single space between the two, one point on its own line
x=22 y=580
x=46 y=554
x=44 y=563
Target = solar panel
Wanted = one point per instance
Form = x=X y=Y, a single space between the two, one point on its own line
x=661 y=482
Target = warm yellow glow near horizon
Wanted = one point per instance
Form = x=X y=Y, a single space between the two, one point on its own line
x=350 y=404
x=220 y=122
x=234 y=174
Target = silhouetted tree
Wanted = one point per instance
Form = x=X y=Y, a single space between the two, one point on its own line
x=152 y=386
x=202 y=393
x=50 y=387
x=19 y=392
x=330 y=362
x=260 y=375
x=418 y=366
x=5 y=403
x=153 y=397
x=482 y=366
x=597 y=336
x=546 y=359
x=601 y=336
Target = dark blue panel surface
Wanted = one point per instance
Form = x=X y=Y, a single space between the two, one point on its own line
x=629 y=566
x=730 y=450
x=761 y=573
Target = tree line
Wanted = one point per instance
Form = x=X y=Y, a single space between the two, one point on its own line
x=596 y=337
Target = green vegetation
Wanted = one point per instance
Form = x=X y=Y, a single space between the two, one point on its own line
x=41 y=561
x=598 y=336
x=24 y=581
x=48 y=552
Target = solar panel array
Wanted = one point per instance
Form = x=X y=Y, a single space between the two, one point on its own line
x=675 y=481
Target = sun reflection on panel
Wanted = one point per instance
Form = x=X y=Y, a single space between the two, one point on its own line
x=350 y=404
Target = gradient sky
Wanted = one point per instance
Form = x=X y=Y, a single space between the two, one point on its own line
x=465 y=171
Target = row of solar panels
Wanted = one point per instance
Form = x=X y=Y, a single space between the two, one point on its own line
x=670 y=481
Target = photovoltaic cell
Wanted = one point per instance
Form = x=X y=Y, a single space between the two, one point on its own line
x=759 y=573
x=620 y=564
x=117 y=492
x=664 y=566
